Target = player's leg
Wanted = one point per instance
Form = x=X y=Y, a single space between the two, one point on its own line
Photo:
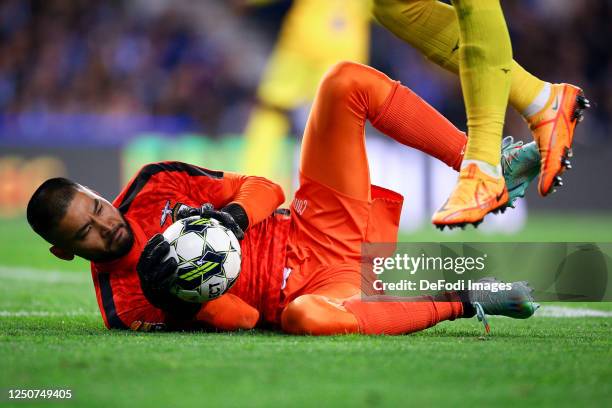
x=333 y=148
x=321 y=313
x=327 y=312
x=264 y=136
x=280 y=91
x=485 y=57
x=551 y=110
x=333 y=206
x=332 y=304
x=431 y=27
x=307 y=46
x=330 y=311
x=396 y=315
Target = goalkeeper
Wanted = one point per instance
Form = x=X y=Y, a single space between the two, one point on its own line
x=300 y=271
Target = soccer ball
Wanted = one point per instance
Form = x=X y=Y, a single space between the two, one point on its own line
x=208 y=257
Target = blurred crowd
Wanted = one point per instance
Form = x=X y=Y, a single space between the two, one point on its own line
x=119 y=57
x=201 y=60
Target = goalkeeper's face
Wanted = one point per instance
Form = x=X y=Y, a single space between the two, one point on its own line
x=93 y=229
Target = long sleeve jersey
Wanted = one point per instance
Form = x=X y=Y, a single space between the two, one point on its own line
x=147 y=203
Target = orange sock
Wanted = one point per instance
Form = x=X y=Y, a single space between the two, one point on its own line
x=407 y=118
x=397 y=315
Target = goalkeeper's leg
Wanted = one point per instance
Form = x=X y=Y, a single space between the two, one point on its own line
x=333 y=148
x=338 y=309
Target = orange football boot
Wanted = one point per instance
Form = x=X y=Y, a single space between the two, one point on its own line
x=553 y=130
x=475 y=195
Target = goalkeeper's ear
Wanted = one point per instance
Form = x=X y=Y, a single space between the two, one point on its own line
x=61 y=254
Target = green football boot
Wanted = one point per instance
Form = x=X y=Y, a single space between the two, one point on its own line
x=520 y=165
x=516 y=302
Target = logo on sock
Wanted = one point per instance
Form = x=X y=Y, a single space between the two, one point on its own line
x=456 y=47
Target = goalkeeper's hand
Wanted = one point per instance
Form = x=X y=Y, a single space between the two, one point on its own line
x=157 y=277
x=232 y=216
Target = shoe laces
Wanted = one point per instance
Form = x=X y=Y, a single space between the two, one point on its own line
x=508 y=144
x=482 y=317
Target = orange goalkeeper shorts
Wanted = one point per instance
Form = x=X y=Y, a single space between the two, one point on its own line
x=327 y=234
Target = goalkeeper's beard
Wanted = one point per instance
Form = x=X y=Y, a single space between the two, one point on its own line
x=117 y=247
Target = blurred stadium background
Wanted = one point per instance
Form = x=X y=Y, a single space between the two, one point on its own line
x=94 y=89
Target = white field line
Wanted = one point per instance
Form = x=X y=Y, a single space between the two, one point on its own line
x=44 y=276
x=41 y=313
x=41 y=275
x=564 y=311
x=545 y=311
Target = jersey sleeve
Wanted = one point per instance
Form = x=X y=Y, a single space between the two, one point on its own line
x=122 y=304
x=228 y=312
x=194 y=186
x=257 y=195
x=131 y=311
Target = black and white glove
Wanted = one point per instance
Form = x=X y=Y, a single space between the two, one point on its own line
x=232 y=216
x=157 y=277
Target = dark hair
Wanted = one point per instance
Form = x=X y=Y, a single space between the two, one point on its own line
x=49 y=204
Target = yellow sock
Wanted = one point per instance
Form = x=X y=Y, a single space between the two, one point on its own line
x=265 y=134
x=432 y=27
x=524 y=88
x=485 y=58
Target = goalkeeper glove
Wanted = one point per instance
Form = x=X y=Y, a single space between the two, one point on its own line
x=157 y=277
x=233 y=217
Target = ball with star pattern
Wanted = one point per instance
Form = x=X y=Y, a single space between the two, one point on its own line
x=208 y=257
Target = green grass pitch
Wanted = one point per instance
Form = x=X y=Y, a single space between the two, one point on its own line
x=51 y=336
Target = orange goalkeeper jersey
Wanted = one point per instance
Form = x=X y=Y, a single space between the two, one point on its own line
x=147 y=203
